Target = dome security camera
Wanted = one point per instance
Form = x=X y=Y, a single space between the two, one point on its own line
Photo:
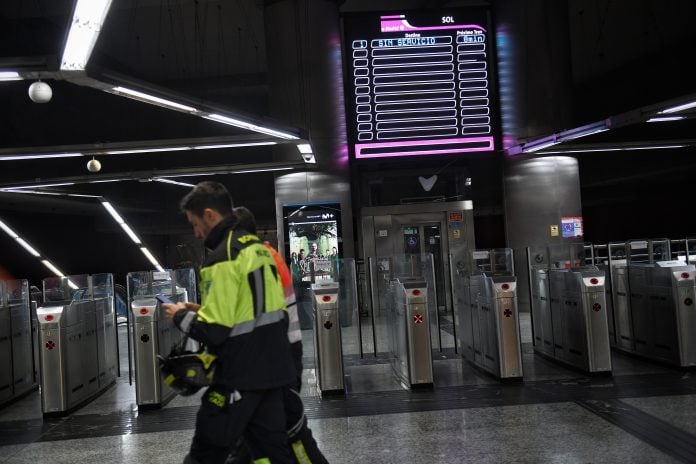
x=93 y=165
x=40 y=92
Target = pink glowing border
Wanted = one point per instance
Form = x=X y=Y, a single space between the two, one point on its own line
x=360 y=146
x=399 y=23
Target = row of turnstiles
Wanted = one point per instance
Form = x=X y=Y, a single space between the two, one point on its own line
x=583 y=303
x=68 y=345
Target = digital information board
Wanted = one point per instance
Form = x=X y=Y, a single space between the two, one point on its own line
x=418 y=83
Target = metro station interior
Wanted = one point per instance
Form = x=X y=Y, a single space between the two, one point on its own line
x=484 y=205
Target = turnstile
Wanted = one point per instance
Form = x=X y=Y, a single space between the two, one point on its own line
x=581 y=333
x=412 y=358
x=656 y=317
x=327 y=337
x=77 y=340
x=17 y=369
x=487 y=314
x=151 y=333
x=569 y=308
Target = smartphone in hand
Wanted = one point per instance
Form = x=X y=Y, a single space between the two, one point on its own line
x=163 y=299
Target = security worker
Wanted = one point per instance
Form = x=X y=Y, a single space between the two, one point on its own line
x=242 y=321
x=301 y=441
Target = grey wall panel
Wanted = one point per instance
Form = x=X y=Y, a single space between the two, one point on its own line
x=538 y=192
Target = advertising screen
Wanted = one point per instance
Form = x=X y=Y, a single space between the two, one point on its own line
x=419 y=83
x=312 y=238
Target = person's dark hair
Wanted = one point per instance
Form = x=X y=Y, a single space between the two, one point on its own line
x=207 y=194
x=245 y=219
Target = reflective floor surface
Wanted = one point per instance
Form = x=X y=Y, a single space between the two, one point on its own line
x=644 y=413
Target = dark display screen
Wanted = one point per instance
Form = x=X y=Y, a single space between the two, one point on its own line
x=418 y=83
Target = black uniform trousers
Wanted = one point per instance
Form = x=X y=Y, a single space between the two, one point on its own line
x=302 y=444
x=257 y=417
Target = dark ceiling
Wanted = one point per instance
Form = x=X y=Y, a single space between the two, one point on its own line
x=623 y=56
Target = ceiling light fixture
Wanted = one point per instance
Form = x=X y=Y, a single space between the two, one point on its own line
x=252 y=127
x=147 y=98
x=85 y=26
x=304 y=148
x=665 y=118
x=678 y=108
x=9 y=76
x=173 y=182
x=54 y=269
x=540 y=146
x=8 y=230
x=119 y=220
x=232 y=145
x=151 y=258
x=145 y=150
x=591 y=150
x=39 y=156
x=44 y=185
x=117 y=217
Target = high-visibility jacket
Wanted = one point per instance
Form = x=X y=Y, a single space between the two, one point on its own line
x=294 y=331
x=242 y=318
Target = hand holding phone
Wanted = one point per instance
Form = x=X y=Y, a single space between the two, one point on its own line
x=163 y=299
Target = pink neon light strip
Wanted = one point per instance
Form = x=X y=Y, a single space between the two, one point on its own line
x=400 y=24
x=360 y=146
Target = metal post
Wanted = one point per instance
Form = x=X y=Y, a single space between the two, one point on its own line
x=451 y=276
x=372 y=301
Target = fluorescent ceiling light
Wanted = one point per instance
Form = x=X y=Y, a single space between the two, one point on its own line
x=259 y=170
x=27 y=247
x=253 y=127
x=84 y=29
x=45 y=185
x=32 y=192
x=581 y=134
x=173 y=182
x=232 y=145
x=541 y=146
x=8 y=230
x=10 y=76
x=665 y=118
x=591 y=150
x=675 y=109
x=142 y=96
x=304 y=148
x=151 y=258
x=83 y=196
x=145 y=150
x=54 y=269
x=39 y=156
x=103 y=181
x=114 y=214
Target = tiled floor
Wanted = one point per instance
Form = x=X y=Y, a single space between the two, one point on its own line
x=644 y=413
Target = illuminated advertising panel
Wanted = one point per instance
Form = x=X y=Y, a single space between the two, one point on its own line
x=312 y=238
x=419 y=83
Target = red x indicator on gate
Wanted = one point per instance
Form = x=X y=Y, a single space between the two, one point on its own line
x=596 y=307
x=418 y=319
x=507 y=312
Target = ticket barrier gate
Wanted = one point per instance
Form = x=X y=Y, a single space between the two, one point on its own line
x=487 y=319
x=77 y=340
x=412 y=359
x=579 y=324
x=489 y=334
x=328 y=352
x=150 y=331
x=655 y=315
x=17 y=369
